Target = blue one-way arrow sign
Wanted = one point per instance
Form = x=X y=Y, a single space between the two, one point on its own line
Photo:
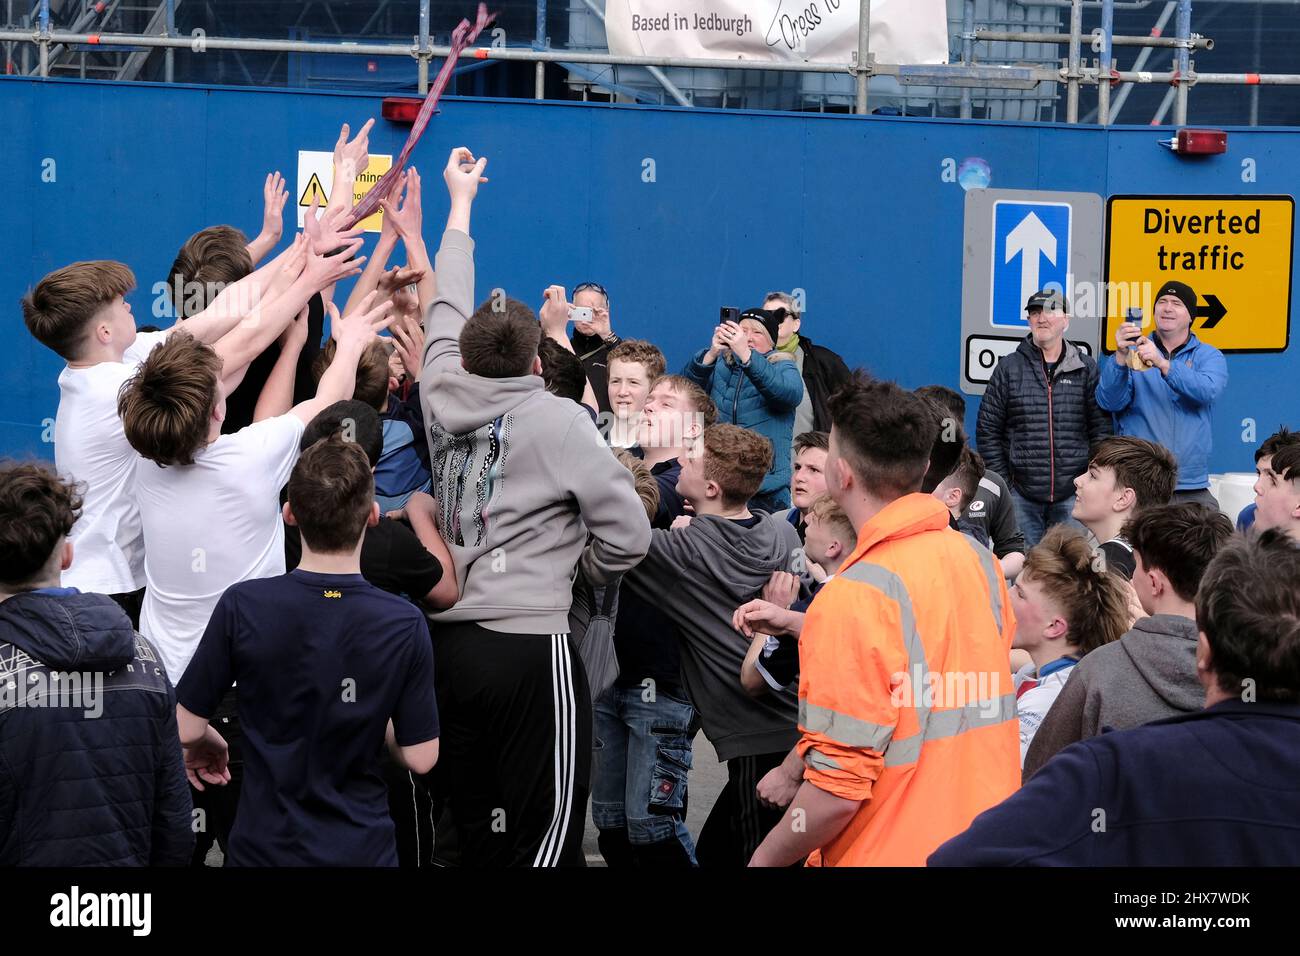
x=1031 y=251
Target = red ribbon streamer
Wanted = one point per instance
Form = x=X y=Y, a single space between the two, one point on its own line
x=461 y=37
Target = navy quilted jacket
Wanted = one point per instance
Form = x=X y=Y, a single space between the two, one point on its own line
x=761 y=396
x=1037 y=434
x=90 y=775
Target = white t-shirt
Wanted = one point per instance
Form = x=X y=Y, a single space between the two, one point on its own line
x=1033 y=704
x=90 y=447
x=210 y=525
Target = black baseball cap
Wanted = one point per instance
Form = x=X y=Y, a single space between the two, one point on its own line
x=1045 y=298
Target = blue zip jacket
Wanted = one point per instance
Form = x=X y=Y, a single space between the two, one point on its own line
x=1173 y=410
x=1214 y=788
x=761 y=395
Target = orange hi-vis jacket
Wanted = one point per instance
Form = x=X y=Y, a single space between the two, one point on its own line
x=905 y=692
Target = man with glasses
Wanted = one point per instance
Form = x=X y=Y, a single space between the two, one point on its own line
x=593 y=340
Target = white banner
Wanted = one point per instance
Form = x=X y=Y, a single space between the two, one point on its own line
x=902 y=31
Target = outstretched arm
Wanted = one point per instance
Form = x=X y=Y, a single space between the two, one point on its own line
x=274 y=197
x=408 y=221
x=353 y=334
x=277 y=393
x=455 y=299
x=351 y=159
x=251 y=337
x=554 y=316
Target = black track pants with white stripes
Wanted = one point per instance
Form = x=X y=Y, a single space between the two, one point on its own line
x=514 y=760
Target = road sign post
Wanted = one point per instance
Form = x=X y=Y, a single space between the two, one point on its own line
x=1016 y=243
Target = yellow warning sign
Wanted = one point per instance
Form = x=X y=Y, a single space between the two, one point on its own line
x=314 y=192
x=364 y=183
x=316 y=177
x=1235 y=251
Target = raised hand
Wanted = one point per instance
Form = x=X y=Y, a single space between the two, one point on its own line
x=322 y=270
x=554 y=313
x=360 y=326
x=327 y=232
x=737 y=341
x=1148 y=353
x=463 y=174
x=408 y=219
x=398 y=278
x=274 y=196
x=353 y=156
x=408 y=339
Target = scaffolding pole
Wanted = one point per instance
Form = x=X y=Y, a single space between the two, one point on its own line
x=864 y=57
x=1184 y=29
x=1107 y=63
x=1072 y=73
x=967 y=52
x=45 y=37
x=1143 y=57
x=422 y=55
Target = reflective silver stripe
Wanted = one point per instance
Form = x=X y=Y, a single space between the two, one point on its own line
x=842 y=728
x=991 y=486
x=931 y=725
x=991 y=574
x=950 y=723
x=820 y=761
x=891 y=585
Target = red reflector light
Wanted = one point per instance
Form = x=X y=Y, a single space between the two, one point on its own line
x=1201 y=142
x=400 y=109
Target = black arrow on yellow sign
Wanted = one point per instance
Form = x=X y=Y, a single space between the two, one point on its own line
x=1213 y=311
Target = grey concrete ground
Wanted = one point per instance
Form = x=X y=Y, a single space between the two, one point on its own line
x=708 y=776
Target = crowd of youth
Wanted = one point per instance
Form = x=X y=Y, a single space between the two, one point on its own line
x=414 y=591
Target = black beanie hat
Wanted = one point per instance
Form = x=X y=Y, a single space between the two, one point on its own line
x=766 y=318
x=1180 y=291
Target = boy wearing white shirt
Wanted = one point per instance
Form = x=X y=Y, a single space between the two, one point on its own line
x=80 y=312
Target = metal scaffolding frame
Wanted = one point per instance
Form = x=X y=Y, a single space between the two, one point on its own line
x=1076 y=72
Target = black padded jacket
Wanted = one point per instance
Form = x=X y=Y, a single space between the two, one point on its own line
x=1037 y=433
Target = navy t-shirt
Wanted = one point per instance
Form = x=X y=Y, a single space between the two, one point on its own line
x=323 y=661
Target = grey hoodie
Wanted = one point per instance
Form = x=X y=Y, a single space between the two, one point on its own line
x=522 y=478
x=699 y=575
x=1148 y=674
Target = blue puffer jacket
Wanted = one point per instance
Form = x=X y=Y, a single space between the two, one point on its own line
x=91 y=775
x=761 y=395
x=1173 y=410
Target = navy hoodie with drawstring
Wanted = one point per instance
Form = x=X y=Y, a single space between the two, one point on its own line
x=90 y=775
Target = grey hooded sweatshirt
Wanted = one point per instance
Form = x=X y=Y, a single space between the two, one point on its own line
x=526 y=487
x=699 y=575
x=1148 y=674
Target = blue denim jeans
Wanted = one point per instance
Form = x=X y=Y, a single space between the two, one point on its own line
x=643 y=755
x=1035 y=517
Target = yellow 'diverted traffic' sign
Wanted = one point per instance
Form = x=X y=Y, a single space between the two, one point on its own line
x=1235 y=251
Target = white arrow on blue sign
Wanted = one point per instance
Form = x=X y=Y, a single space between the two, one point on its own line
x=1031 y=251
